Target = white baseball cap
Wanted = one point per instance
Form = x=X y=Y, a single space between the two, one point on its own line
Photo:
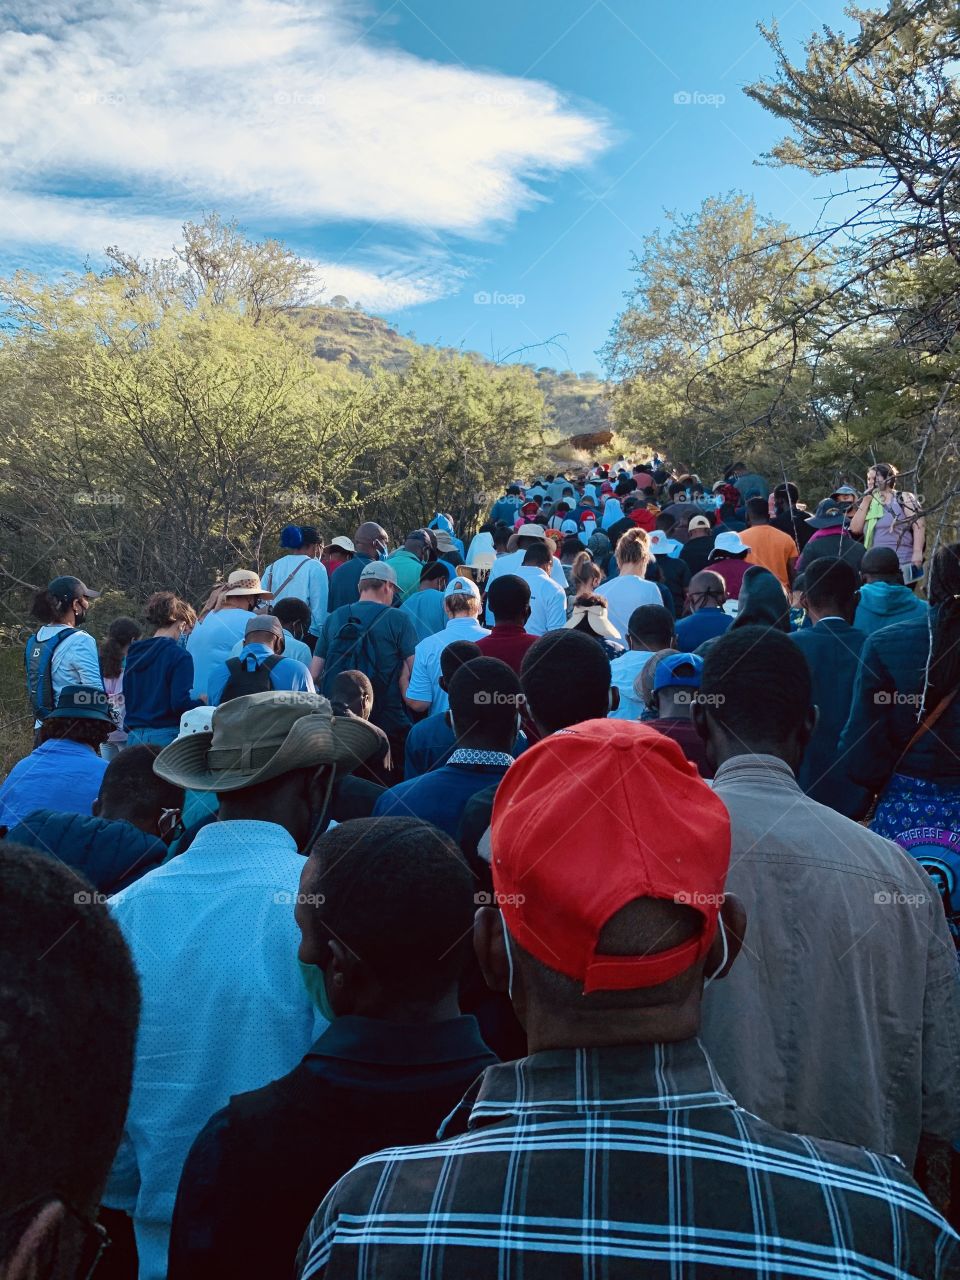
x=343 y=543
x=458 y=586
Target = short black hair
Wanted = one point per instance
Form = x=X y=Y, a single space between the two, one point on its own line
x=455 y=655
x=757 y=684
x=538 y=555
x=653 y=622
x=666 y=523
x=69 y=1007
x=399 y=894
x=566 y=679
x=828 y=581
x=351 y=686
x=436 y=571
x=291 y=610
x=758 y=507
x=508 y=596
x=130 y=786
x=86 y=730
x=485 y=696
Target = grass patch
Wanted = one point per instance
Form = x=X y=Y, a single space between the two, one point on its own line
x=16 y=721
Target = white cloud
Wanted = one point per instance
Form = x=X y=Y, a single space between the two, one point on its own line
x=282 y=111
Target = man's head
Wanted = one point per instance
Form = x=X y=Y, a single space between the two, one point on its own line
x=82 y=715
x=377 y=582
x=418 y=543
x=757 y=512
x=509 y=600
x=243 y=590
x=461 y=599
x=614 y=952
x=756 y=697
x=352 y=691
x=454 y=656
x=785 y=497
x=666 y=523
x=676 y=679
x=265 y=629
x=435 y=575
x=881 y=564
x=566 y=679
x=294 y=615
x=538 y=556
x=69 y=1007
x=530 y=535
x=371 y=540
x=384 y=911
x=830 y=589
x=485 y=704
x=132 y=792
x=706 y=590
x=651 y=627
x=698 y=527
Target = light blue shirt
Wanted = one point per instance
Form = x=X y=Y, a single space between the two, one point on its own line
x=429 y=615
x=513 y=561
x=58 y=774
x=424 y=683
x=309 y=583
x=210 y=642
x=292 y=648
x=225 y=1010
x=623 y=672
x=288 y=674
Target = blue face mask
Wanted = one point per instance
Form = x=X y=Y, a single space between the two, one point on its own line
x=316 y=986
x=182 y=639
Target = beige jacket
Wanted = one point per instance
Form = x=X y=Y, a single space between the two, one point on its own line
x=841 y=1017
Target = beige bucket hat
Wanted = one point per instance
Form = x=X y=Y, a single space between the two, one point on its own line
x=262 y=736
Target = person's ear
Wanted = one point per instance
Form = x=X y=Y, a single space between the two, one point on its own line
x=734 y=918
x=442 y=683
x=97 y=806
x=36 y=1242
x=810 y=722
x=700 y=717
x=341 y=973
x=490 y=948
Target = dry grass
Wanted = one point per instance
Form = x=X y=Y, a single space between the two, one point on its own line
x=16 y=722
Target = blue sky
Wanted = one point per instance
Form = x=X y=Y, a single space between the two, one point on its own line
x=477 y=173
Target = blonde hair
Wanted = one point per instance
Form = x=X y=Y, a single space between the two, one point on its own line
x=633 y=547
x=585 y=571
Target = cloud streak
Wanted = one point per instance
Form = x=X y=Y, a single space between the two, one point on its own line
x=117 y=121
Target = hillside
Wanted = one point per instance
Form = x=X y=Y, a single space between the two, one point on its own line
x=351 y=337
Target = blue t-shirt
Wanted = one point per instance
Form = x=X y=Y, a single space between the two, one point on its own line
x=59 y=774
x=440 y=796
x=703 y=625
x=431 y=742
x=288 y=674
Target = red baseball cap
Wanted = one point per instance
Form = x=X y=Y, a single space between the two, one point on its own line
x=558 y=882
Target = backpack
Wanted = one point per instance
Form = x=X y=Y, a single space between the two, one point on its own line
x=38 y=657
x=243 y=681
x=352 y=650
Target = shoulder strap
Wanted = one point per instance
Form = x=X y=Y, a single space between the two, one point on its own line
x=234 y=665
x=290 y=576
x=925 y=725
x=269 y=663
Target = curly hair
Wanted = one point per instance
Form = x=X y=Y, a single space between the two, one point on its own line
x=164 y=608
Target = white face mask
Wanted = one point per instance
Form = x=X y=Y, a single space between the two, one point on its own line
x=506 y=947
x=726 y=954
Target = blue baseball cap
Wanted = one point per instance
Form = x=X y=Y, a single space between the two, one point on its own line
x=678 y=671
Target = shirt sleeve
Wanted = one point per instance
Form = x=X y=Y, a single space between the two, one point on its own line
x=302 y=680
x=181 y=684
x=81 y=660
x=319 y=594
x=557 y=574
x=420 y=688
x=556 y=610
x=123 y=1184
x=323 y=639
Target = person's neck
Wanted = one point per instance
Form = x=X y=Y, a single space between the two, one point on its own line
x=500 y=623
x=411 y=1011
x=835 y=615
x=468 y=742
x=723 y=753
x=168 y=633
x=640 y=1028
x=707 y=604
x=633 y=570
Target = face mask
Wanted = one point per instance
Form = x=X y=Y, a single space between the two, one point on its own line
x=316 y=986
x=506 y=947
x=726 y=954
x=182 y=639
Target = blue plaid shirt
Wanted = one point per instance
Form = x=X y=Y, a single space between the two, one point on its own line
x=622 y=1162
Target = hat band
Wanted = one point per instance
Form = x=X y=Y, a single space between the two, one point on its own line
x=243 y=759
x=625 y=973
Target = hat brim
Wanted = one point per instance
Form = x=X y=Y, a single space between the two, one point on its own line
x=80 y=713
x=825 y=522
x=249 y=591
x=313 y=740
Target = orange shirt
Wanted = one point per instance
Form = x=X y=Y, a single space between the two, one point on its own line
x=772 y=548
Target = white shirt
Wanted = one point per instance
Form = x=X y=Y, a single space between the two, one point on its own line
x=623 y=672
x=309 y=583
x=211 y=641
x=513 y=561
x=425 y=678
x=225 y=1009
x=548 y=602
x=623 y=595
x=75 y=660
x=292 y=648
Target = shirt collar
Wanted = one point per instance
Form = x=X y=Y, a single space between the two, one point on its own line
x=373 y=1040
x=67 y=747
x=618 y=1078
x=770 y=768
x=469 y=755
x=225 y=846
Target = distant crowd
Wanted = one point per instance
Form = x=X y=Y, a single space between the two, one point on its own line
x=366 y=919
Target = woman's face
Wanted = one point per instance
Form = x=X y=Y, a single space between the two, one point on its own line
x=877 y=479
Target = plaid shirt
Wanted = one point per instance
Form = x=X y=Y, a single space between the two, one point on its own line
x=622 y=1162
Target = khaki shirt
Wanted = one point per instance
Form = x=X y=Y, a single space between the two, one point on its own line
x=841 y=1016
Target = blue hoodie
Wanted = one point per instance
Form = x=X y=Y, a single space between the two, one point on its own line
x=157 y=679
x=884 y=603
x=111 y=853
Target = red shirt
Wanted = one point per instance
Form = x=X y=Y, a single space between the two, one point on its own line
x=731 y=570
x=508 y=642
x=686 y=737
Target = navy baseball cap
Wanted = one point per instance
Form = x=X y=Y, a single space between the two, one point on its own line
x=68 y=588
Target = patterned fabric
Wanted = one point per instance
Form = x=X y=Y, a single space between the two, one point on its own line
x=622 y=1162
x=923 y=817
x=467 y=755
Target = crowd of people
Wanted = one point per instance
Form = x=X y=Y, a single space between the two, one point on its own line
x=368 y=919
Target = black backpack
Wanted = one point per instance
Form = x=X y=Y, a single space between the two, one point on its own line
x=242 y=680
x=351 y=650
